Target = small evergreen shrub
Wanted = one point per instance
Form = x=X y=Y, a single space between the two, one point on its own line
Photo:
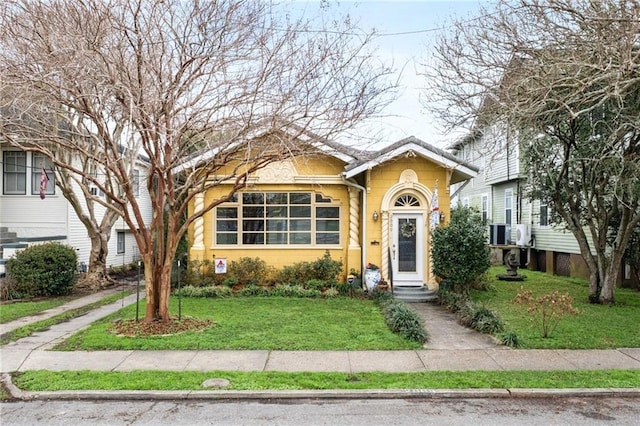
x=230 y=281
x=330 y=293
x=458 y=250
x=253 y=290
x=47 y=269
x=250 y=271
x=509 y=339
x=404 y=321
x=470 y=314
x=210 y=291
x=316 y=284
x=324 y=269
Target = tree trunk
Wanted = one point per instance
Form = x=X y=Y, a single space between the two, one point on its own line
x=151 y=289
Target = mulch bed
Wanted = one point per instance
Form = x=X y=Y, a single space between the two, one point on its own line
x=133 y=328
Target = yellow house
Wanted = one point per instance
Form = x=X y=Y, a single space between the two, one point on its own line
x=362 y=207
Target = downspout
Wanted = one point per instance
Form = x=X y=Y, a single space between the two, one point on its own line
x=363 y=221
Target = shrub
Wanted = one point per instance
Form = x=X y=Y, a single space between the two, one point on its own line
x=250 y=271
x=286 y=290
x=316 y=284
x=403 y=320
x=509 y=339
x=330 y=293
x=43 y=270
x=326 y=268
x=253 y=290
x=201 y=273
x=549 y=309
x=209 y=291
x=471 y=315
x=458 y=250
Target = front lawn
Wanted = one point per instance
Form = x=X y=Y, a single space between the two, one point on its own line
x=595 y=327
x=267 y=323
x=15 y=310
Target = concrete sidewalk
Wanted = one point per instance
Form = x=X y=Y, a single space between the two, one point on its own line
x=451 y=348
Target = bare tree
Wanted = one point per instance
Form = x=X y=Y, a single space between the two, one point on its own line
x=169 y=80
x=564 y=75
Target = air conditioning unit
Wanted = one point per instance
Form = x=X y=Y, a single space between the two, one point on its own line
x=499 y=234
x=523 y=235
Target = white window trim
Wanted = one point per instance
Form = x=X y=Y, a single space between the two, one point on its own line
x=313 y=231
x=120 y=242
x=508 y=194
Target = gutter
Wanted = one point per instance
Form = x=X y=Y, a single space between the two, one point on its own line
x=363 y=235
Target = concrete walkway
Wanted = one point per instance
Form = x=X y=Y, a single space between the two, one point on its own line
x=452 y=347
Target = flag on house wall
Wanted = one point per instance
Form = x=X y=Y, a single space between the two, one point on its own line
x=44 y=180
x=435 y=209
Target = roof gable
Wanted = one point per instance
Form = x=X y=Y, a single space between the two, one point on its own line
x=410 y=147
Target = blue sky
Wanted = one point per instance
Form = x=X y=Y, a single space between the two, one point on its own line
x=407 y=31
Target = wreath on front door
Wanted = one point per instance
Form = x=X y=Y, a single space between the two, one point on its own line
x=408 y=229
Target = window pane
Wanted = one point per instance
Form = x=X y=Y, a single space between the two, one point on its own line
x=321 y=199
x=226 y=238
x=227 y=225
x=277 y=225
x=253 y=225
x=279 y=211
x=300 y=211
x=38 y=162
x=300 y=198
x=300 y=225
x=327 y=225
x=300 y=238
x=252 y=238
x=277 y=198
x=15 y=172
x=227 y=212
x=333 y=212
x=253 y=212
x=253 y=198
x=327 y=239
x=276 y=238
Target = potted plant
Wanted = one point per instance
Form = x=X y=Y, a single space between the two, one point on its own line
x=383 y=284
x=372 y=276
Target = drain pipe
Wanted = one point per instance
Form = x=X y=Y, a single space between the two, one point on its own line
x=363 y=250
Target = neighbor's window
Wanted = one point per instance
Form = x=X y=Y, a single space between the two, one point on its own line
x=544 y=213
x=15 y=172
x=508 y=206
x=278 y=218
x=120 y=242
x=485 y=207
x=39 y=162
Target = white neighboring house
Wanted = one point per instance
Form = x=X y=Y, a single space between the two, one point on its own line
x=26 y=219
x=514 y=220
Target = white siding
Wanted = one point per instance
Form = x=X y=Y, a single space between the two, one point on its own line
x=28 y=215
x=31 y=217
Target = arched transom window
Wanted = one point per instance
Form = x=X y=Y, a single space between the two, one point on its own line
x=407 y=200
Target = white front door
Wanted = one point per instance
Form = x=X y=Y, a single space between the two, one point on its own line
x=407 y=249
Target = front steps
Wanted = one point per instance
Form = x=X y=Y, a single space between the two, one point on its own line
x=413 y=294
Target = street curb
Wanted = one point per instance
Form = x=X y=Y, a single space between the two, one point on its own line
x=283 y=395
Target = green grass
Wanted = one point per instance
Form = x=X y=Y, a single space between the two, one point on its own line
x=13 y=311
x=267 y=323
x=29 y=329
x=191 y=380
x=595 y=327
